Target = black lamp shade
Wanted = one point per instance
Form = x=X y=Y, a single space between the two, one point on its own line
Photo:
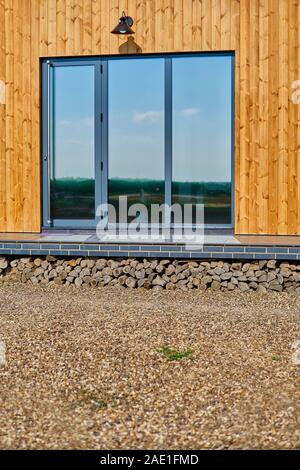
x=124 y=26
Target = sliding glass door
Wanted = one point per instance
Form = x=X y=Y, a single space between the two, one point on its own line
x=136 y=133
x=202 y=135
x=72 y=180
x=154 y=129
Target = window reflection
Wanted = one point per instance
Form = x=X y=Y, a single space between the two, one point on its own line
x=202 y=135
x=136 y=131
x=73 y=180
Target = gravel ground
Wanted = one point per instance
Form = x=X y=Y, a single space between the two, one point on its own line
x=90 y=369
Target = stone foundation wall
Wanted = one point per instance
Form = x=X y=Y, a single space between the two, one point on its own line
x=259 y=276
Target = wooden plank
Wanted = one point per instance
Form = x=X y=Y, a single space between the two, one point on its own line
x=292 y=116
x=197 y=25
x=61 y=27
x=254 y=114
x=216 y=25
x=178 y=25
x=149 y=45
x=3 y=191
x=70 y=29
x=87 y=27
x=262 y=177
x=52 y=30
x=169 y=25
x=16 y=168
x=43 y=39
x=78 y=26
x=106 y=27
x=298 y=121
x=159 y=24
x=206 y=25
x=187 y=26
x=96 y=27
x=225 y=24
x=26 y=137
x=139 y=26
x=9 y=114
x=33 y=224
x=283 y=98
x=273 y=118
x=235 y=46
x=244 y=121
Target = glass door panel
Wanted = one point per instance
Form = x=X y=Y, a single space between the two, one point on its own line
x=136 y=132
x=72 y=126
x=202 y=135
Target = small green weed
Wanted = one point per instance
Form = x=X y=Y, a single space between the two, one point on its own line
x=276 y=358
x=173 y=355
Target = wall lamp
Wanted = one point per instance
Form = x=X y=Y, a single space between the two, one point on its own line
x=124 y=26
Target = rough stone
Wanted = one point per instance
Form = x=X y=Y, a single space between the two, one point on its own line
x=215 y=285
x=243 y=286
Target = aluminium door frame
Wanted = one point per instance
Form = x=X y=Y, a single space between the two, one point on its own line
x=101 y=137
x=47 y=141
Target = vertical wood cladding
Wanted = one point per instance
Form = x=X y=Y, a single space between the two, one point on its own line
x=265 y=35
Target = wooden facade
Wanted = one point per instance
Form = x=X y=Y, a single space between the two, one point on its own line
x=265 y=35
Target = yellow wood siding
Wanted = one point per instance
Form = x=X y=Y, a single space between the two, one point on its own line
x=2 y=118
x=265 y=35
